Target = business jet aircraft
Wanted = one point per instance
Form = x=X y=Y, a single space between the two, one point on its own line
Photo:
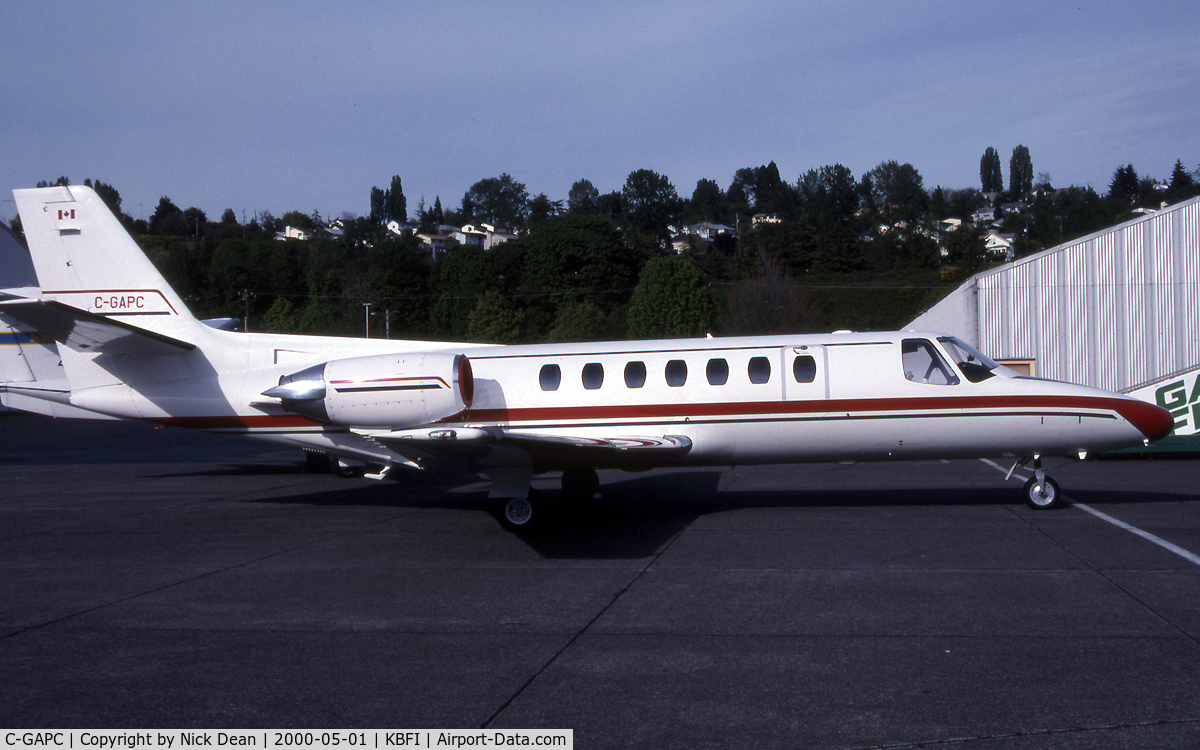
x=131 y=350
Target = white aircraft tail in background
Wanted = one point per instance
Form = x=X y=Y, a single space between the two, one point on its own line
x=31 y=373
x=130 y=349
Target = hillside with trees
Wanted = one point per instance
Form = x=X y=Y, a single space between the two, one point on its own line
x=763 y=255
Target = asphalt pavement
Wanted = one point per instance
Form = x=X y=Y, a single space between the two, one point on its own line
x=163 y=578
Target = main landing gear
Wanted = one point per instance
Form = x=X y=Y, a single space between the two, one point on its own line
x=1041 y=492
x=518 y=511
x=521 y=512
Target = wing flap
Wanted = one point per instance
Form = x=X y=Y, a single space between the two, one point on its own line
x=479 y=446
x=574 y=450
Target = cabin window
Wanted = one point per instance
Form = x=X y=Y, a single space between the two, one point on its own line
x=804 y=368
x=593 y=375
x=717 y=372
x=676 y=373
x=550 y=377
x=759 y=370
x=923 y=364
x=635 y=374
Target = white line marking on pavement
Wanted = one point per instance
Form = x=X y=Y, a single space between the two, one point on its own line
x=1189 y=556
x=1143 y=534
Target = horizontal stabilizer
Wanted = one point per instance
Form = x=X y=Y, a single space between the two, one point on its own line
x=88 y=332
x=52 y=399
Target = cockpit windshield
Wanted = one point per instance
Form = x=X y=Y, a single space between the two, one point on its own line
x=974 y=364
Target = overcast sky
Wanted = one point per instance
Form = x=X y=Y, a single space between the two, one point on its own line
x=306 y=105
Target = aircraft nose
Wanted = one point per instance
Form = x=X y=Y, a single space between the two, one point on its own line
x=1153 y=421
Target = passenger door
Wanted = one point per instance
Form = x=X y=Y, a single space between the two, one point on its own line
x=805 y=372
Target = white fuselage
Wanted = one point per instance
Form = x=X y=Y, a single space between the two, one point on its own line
x=751 y=400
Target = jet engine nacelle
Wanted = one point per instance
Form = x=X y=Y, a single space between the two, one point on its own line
x=393 y=391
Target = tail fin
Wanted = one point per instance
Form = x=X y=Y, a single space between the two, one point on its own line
x=86 y=260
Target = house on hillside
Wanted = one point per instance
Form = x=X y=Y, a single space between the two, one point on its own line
x=985 y=215
x=470 y=235
x=496 y=235
x=434 y=243
x=1000 y=246
x=400 y=227
x=293 y=233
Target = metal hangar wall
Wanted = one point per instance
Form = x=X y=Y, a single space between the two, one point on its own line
x=1117 y=309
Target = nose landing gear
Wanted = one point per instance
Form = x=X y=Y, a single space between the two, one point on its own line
x=1041 y=492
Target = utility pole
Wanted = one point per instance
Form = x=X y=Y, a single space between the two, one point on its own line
x=246 y=318
x=387 y=323
x=367 y=317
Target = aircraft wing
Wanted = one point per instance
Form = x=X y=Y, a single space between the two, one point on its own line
x=468 y=446
x=88 y=332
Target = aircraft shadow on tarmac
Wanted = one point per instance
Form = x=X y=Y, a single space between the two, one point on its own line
x=633 y=517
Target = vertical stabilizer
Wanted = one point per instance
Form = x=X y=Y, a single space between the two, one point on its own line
x=85 y=258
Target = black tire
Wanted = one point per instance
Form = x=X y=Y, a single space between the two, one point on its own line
x=1042 y=498
x=518 y=513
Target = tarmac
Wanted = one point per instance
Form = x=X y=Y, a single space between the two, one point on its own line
x=168 y=579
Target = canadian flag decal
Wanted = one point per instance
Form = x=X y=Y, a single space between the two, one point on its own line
x=66 y=213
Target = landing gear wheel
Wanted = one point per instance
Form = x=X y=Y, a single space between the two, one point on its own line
x=341 y=469
x=580 y=483
x=1043 y=496
x=518 y=512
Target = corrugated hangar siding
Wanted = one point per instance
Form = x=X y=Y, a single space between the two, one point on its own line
x=1117 y=309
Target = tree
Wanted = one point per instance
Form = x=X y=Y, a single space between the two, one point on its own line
x=1020 y=173
x=542 y=208
x=395 y=205
x=830 y=224
x=168 y=219
x=297 y=219
x=896 y=191
x=762 y=189
x=831 y=189
x=964 y=203
x=378 y=206
x=768 y=301
x=582 y=256
x=281 y=317
x=500 y=200
x=583 y=198
x=460 y=275
x=494 y=319
x=708 y=201
x=609 y=206
x=466 y=210
x=651 y=203
x=581 y=320
x=195 y=221
x=990 y=176
x=939 y=208
x=966 y=248
x=671 y=299
x=1181 y=184
x=108 y=194
x=1124 y=185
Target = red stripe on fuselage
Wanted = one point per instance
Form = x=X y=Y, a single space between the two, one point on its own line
x=858 y=406
x=1144 y=416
